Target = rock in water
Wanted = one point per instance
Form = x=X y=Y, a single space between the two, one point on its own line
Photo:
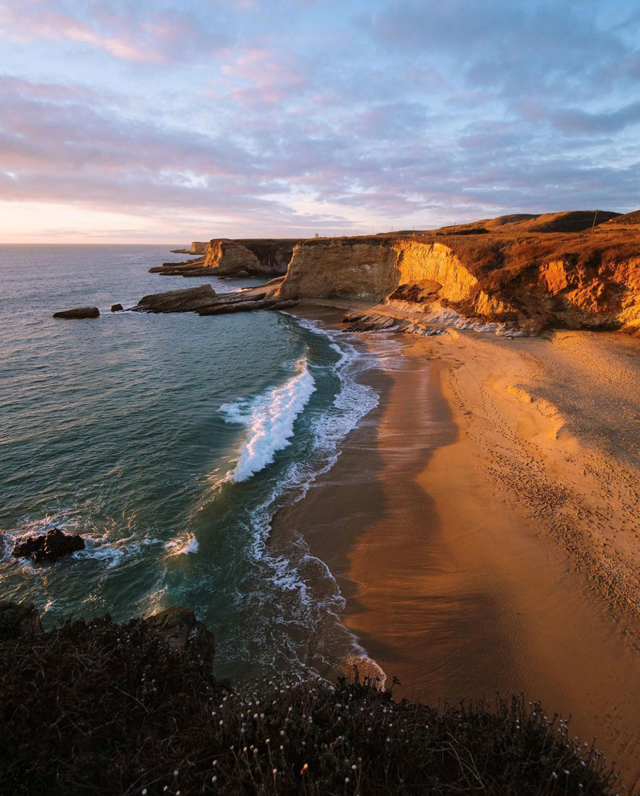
x=183 y=632
x=49 y=546
x=116 y=308
x=186 y=300
x=19 y=619
x=80 y=312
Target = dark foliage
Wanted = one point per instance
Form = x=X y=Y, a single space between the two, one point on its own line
x=97 y=708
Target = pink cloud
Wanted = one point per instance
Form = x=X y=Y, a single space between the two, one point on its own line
x=157 y=39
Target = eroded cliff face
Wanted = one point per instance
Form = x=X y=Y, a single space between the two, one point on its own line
x=253 y=257
x=341 y=268
x=229 y=257
x=375 y=268
x=417 y=263
x=544 y=281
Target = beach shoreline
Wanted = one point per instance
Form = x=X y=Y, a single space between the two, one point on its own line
x=441 y=524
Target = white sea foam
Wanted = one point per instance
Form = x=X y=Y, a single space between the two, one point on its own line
x=100 y=544
x=310 y=597
x=270 y=418
x=182 y=545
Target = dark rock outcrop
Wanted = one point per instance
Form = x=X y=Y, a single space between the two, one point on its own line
x=187 y=300
x=271 y=303
x=49 y=546
x=18 y=619
x=79 y=313
x=182 y=632
x=116 y=308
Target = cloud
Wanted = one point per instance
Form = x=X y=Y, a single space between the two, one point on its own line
x=158 y=37
x=302 y=116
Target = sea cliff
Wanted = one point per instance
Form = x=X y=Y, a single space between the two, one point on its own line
x=519 y=273
x=529 y=274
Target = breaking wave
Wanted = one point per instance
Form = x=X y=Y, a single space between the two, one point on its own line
x=270 y=418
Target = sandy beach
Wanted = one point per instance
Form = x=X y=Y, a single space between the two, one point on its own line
x=483 y=525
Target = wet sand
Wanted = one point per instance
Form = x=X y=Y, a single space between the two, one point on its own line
x=483 y=526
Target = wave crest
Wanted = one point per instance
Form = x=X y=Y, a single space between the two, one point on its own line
x=270 y=418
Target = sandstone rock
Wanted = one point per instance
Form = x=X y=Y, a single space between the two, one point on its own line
x=421 y=293
x=183 y=632
x=18 y=619
x=186 y=300
x=79 y=313
x=532 y=273
x=117 y=308
x=49 y=546
x=251 y=256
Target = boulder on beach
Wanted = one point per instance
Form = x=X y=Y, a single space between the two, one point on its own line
x=185 y=300
x=49 y=546
x=79 y=313
x=116 y=308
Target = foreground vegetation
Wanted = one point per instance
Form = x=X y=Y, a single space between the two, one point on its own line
x=96 y=707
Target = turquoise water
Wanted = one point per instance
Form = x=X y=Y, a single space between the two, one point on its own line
x=169 y=441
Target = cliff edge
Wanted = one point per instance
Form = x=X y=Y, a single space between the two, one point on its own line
x=565 y=270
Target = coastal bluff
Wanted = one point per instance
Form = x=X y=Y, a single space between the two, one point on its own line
x=520 y=273
x=530 y=274
x=239 y=258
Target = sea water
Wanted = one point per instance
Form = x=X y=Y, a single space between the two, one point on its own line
x=169 y=442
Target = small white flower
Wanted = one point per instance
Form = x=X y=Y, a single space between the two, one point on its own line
x=214 y=779
x=346 y=780
x=176 y=772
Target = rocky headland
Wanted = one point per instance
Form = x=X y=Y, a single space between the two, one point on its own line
x=521 y=274
x=238 y=258
x=529 y=274
x=516 y=274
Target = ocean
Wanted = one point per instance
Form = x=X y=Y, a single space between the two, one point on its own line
x=169 y=442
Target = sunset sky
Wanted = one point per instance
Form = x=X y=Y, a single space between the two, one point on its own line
x=127 y=121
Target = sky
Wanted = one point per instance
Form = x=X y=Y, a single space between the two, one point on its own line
x=175 y=120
